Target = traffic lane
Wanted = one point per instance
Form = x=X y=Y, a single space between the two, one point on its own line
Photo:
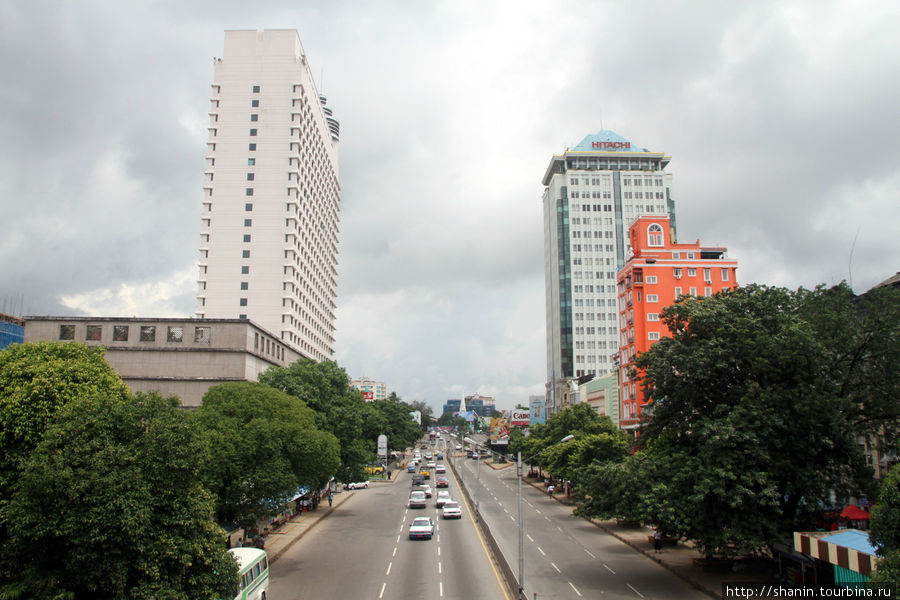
x=318 y=564
x=467 y=569
x=591 y=560
x=413 y=571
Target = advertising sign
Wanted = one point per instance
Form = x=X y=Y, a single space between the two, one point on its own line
x=499 y=430
x=520 y=418
x=382 y=446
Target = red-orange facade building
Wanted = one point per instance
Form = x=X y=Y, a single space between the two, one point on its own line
x=655 y=274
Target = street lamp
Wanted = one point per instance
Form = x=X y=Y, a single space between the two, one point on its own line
x=521 y=524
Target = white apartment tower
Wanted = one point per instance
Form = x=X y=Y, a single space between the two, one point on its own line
x=592 y=192
x=269 y=227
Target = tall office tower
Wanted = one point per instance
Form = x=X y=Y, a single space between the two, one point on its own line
x=269 y=230
x=592 y=192
x=656 y=274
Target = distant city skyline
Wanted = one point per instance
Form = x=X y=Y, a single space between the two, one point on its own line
x=775 y=116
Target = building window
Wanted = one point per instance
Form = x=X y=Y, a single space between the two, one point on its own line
x=148 y=333
x=242 y=317
x=246 y=237
x=693 y=291
x=651 y=278
x=724 y=274
x=654 y=235
x=245 y=269
x=652 y=298
x=252 y=132
x=175 y=334
x=93 y=333
x=252 y=147
x=251 y=176
x=248 y=222
x=248 y=207
x=692 y=272
x=120 y=333
x=245 y=254
x=707 y=275
x=677 y=272
x=243 y=302
x=248 y=191
x=67 y=332
x=254 y=117
x=707 y=291
x=653 y=316
x=677 y=292
x=251 y=161
x=652 y=335
x=254 y=103
x=255 y=89
x=201 y=335
x=244 y=285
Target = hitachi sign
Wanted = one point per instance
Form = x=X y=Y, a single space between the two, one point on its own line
x=611 y=145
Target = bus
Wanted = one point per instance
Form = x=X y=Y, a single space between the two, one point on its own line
x=253 y=564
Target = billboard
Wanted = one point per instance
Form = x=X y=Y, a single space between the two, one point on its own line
x=520 y=418
x=499 y=430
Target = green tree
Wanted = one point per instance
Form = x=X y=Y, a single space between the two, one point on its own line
x=109 y=505
x=426 y=411
x=395 y=422
x=339 y=408
x=885 y=532
x=744 y=410
x=262 y=446
x=36 y=380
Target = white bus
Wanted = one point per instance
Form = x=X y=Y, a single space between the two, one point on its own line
x=254 y=569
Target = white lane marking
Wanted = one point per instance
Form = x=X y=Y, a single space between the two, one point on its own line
x=398 y=539
x=390 y=564
x=538 y=511
x=512 y=518
x=555 y=567
x=439 y=548
x=439 y=568
x=441 y=588
x=394 y=553
x=560 y=529
x=608 y=569
x=383 y=585
x=575 y=588
x=541 y=551
x=634 y=590
x=529 y=537
x=589 y=553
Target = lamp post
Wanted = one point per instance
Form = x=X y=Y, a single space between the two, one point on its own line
x=521 y=524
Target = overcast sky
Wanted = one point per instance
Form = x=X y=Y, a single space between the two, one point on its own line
x=782 y=120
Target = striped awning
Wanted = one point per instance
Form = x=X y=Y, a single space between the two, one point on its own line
x=849 y=549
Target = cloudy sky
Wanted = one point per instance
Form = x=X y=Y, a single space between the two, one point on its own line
x=782 y=120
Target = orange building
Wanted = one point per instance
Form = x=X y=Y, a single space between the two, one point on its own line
x=656 y=272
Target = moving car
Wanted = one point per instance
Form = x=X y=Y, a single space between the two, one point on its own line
x=411 y=468
x=442 y=482
x=440 y=469
x=431 y=465
x=421 y=528
x=451 y=510
x=425 y=473
x=424 y=488
x=442 y=498
x=416 y=499
x=356 y=485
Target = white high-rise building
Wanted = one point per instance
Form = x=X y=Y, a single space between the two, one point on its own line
x=269 y=229
x=592 y=192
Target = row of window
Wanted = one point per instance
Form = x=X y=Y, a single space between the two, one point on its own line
x=146 y=333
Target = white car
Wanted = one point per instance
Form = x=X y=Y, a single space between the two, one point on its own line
x=426 y=488
x=421 y=529
x=417 y=499
x=431 y=465
x=356 y=485
x=451 y=510
x=443 y=497
x=440 y=469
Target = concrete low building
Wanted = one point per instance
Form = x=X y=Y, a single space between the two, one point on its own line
x=181 y=357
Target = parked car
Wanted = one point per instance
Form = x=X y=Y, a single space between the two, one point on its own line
x=417 y=499
x=421 y=528
x=356 y=485
x=442 y=498
x=373 y=469
x=451 y=510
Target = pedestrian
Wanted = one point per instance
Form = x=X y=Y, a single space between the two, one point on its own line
x=330 y=498
x=551 y=489
x=389 y=475
x=657 y=540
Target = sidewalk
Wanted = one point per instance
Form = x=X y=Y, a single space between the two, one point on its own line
x=677 y=558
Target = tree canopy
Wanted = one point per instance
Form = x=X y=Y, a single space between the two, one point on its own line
x=885 y=532
x=262 y=446
x=747 y=415
x=36 y=380
x=110 y=505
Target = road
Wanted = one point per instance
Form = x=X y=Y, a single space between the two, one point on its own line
x=362 y=550
x=565 y=557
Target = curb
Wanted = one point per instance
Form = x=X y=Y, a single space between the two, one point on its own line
x=338 y=501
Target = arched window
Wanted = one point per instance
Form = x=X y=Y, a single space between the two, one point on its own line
x=654 y=235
